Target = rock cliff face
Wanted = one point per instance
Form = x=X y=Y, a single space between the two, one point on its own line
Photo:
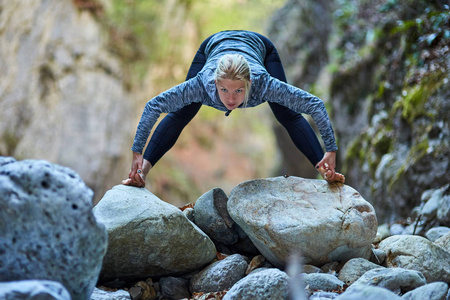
x=62 y=96
x=383 y=67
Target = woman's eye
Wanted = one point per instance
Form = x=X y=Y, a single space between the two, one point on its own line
x=238 y=91
x=224 y=90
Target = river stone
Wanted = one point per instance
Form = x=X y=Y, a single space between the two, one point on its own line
x=397 y=229
x=149 y=237
x=309 y=269
x=99 y=294
x=444 y=242
x=417 y=253
x=431 y=291
x=368 y=292
x=436 y=232
x=269 y=283
x=220 y=275
x=174 y=288
x=286 y=215
x=322 y=281
x=397 y=280
x=321 y=296
x=384 y=231
x=212 y=217
x=443 y=213
x=47 y=229
x=378 y=256
x=33 y=289
x=429 y=209
x=354 y=269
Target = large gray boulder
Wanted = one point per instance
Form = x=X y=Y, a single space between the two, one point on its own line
x=324 y=222
x=47 y=229
x=33 y=289
x=149 y=237
x=417 y=253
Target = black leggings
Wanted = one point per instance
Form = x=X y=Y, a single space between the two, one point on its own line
x=169 y=129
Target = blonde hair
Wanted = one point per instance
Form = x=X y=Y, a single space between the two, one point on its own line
x=234 y=67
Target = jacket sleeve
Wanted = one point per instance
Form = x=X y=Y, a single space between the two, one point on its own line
x=169 y=101
x=274 y=90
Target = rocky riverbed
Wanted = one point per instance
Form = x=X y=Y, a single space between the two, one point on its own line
x=274 y=238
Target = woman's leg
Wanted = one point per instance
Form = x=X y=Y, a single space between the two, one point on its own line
x=168 y=131
x=300 y=131
x=298 y=128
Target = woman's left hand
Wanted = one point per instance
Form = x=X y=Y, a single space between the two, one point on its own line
x=327 y=165
x=327 y=168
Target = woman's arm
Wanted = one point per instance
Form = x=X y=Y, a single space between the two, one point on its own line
x=274 y=90
x=168 y=101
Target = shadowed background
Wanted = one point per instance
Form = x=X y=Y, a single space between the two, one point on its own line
x=75 y=76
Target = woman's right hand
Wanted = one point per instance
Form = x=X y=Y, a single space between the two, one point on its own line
x=134 y=176
x=136 y=164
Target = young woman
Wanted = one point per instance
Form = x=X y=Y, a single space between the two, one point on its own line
x=234 y=69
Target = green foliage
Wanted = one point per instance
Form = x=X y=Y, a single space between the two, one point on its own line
x=426 y=30
x=416 y=152
x=371 y=145
x=414 y=99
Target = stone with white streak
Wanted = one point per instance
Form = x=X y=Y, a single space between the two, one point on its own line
x=33 y=289
x=100 y=294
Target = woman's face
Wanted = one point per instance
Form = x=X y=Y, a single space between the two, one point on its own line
x=231 y=92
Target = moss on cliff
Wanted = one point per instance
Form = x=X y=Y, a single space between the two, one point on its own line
x=398 y=73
